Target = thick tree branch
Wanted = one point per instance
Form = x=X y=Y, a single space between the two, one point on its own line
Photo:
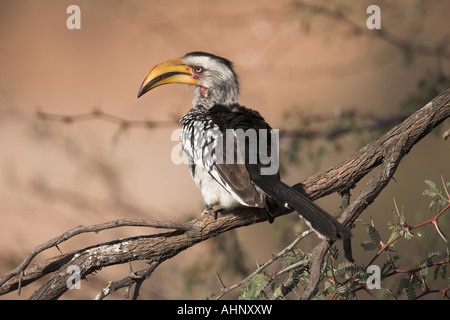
x=35 y=272
x=386 y=152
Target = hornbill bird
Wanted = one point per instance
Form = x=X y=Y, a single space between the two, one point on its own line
x=243 y=176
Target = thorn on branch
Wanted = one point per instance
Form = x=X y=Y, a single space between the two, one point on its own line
x=220 y=281
x=58 y=249
x=446 y=134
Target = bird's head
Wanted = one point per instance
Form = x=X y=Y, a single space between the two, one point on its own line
x=213 y=77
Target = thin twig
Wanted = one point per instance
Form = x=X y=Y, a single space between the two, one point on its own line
x=439 y=51
x=226 y=289
x=98 y=114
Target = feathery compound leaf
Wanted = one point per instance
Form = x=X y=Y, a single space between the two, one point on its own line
x=373 y=234
x=401 y=286
x=292 y=257
x=431 y=184
x=254 y=288
x=369 y=246
x=438 y=197
x=440 y=270
x=410 y=291
x=407 y=284
x=389 y=265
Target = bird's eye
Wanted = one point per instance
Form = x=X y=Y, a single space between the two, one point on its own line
x=199 y=69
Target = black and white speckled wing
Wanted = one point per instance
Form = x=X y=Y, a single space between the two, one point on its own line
x=204 y=142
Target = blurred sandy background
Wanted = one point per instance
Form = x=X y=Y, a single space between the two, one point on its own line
x=55 y=176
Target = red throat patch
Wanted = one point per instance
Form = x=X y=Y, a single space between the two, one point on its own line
x=203 y=91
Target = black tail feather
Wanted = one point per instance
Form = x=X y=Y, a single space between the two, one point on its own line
x=318 y=219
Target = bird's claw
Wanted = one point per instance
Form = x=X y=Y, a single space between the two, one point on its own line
x=210 y=211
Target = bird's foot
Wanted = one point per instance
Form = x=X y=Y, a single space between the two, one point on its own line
x=208 y=209
x=270 y=217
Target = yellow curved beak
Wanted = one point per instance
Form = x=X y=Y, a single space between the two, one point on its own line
x=171 y=71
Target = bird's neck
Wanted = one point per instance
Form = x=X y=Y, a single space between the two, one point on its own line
x=207 y=97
